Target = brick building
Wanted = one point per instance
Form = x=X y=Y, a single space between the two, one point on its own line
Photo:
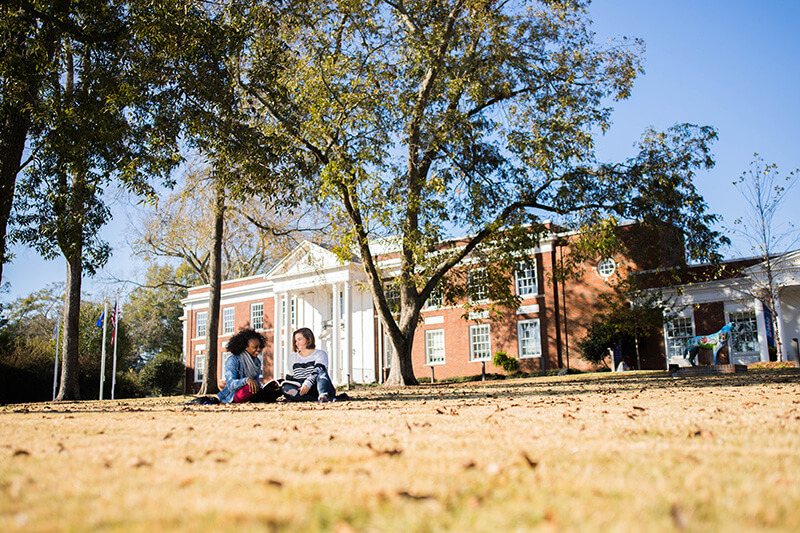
x=312 y=288
x=711 y=296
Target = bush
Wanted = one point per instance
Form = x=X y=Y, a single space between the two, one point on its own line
x=509 y=364
x=162 y=374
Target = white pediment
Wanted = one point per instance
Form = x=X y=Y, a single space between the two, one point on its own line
x=785 y=270
x=307 y=259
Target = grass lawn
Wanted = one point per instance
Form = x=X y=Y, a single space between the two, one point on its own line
x=592 y=452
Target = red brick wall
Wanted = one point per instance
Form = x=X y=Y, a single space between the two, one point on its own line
x=581 y=304
x=241 y=316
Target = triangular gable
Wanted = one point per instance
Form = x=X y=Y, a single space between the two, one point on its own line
x=785 y=270
x=306 y=258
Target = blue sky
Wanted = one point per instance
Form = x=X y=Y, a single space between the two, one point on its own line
x=730 y=64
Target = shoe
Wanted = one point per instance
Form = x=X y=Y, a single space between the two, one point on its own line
x=323 y=399
x=203 y=400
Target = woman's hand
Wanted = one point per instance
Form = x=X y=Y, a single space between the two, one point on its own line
x=304 y=389
x=252 y=384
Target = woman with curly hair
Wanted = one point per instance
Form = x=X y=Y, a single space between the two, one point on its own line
x=243 y=368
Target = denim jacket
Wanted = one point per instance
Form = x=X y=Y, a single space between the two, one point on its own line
x=234 y=378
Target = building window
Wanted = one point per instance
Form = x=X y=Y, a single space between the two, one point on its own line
x=228 y=321
x=434 y=347
x=529 y=337
x=294 y=312
x=526 y=279
x=436 y=298
x=480 y=347
x=393 y=299
x=606 y=267
x=477 y=286
x=676 y=332
x=745 y=339
x=257 y=316
x=202 y=319
x=199 y=366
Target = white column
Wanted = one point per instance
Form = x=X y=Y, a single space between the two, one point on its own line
x=381 y=350
x=779 y=334
x=288 y=330
x=762 y=330
x=335 y=358
x=348 y=333
x=277 y=324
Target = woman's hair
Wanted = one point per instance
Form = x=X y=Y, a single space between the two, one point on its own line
x=308 y=335
x=240 y=340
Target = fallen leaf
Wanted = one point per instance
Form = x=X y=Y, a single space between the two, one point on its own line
x=531 y=462
x=138 y=462
x=410 y=496
x=678 y=517
x=390 y=453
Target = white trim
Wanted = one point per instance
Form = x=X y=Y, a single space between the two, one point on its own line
x=538 y=336
x=429 y=333
x=473 y=329
x=232 y=311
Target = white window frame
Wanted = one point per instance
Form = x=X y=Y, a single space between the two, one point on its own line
x=524 y=340
x=257 y=318
x=606 y=268
x=199 y=366
x=201 y=324
x=393 y=299
x=434 y=347
x=478 y=286
x=526 y=281
x=671 y=341
x=228 y=320
x=480 y=343
x=747 y=317
x=436 y=298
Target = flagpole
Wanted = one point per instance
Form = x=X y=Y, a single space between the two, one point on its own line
x=116 y=325
x=103 y=351
x=55 y=367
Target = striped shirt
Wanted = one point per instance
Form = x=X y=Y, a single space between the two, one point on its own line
x=306 y=369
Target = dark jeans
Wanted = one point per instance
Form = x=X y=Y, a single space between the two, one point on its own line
x=323 y=386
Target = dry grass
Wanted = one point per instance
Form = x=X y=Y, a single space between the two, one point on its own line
x=632 y=452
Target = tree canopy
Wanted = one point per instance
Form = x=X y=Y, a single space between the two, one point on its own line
x=419 y=121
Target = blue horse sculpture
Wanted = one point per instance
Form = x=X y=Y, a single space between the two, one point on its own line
x=715 y=341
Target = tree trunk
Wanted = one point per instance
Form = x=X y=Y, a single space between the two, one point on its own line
x=12 y=144
x=401 y=371
x=22 y=95
x=70 y=367
x=210 y=381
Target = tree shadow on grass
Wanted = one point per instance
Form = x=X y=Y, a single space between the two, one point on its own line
x=375 y=398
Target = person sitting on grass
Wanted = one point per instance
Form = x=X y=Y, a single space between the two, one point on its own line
x=309 y=380
x=243 y=368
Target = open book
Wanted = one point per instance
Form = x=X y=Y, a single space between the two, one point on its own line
x=270 y=392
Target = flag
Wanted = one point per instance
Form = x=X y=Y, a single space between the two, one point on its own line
x=55 y=330
x=114 y=319
x=100 y=320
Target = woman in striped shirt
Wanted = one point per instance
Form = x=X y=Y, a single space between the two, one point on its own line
x=309 y=368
